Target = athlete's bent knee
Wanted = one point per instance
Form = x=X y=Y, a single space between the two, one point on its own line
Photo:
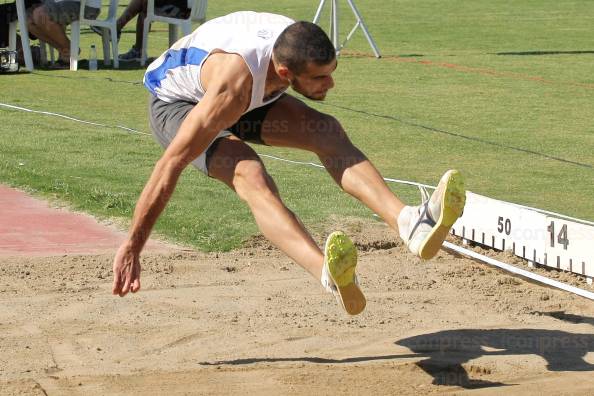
x=250 y=179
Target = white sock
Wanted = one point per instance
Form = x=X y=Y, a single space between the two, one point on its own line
x=403 y=221
x=326 y=281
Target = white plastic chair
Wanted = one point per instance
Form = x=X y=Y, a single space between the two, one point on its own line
x=198 y=14
x=12 y=34
x=108 y=23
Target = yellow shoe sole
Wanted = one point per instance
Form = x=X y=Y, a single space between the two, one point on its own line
x=341 y=258
x=452 y=207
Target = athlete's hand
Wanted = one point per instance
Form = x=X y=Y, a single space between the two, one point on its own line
x=126 y=271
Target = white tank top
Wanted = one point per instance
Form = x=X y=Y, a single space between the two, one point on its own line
x=175 y=75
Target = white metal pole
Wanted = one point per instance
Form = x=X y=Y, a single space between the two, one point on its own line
x=22 y=17
x=319 y=11
x=334 y=26
x=364 y=28
x=335 y=29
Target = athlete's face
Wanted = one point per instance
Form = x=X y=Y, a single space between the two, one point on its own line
x=315 y=82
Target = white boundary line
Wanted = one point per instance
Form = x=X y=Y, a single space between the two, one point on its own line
x=312 y=164
x=448 y=245
x=72 y=118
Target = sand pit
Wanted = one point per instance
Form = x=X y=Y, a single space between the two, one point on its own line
x=252 y=321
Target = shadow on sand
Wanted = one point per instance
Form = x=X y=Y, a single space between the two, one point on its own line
x=443 y=354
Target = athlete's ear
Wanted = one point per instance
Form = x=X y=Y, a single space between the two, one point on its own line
x=284 y=72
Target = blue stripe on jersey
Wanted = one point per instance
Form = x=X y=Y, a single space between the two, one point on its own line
x=173 y=58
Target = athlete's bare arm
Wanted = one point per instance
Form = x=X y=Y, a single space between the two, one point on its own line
x=227 y=83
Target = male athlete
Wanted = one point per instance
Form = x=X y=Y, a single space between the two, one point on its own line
x=224 y=85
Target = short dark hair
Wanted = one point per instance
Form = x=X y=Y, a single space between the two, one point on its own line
x=302 y=43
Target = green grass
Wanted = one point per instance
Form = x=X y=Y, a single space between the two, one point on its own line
x=500 y=90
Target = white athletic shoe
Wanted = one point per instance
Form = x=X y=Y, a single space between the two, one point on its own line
x=338 y=273
x=424 y=228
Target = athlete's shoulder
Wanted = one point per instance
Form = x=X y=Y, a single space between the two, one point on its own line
x=228 y=69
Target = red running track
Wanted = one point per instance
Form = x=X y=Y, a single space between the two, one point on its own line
x=30 y=227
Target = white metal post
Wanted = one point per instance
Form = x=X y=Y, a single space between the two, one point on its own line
x=334 y=25
x=361 y=23
x=319 y=11
x=22 y=17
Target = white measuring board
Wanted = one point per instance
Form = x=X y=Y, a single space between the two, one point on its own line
x=537 y=237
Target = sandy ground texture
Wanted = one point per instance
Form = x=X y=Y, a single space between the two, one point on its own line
x=251 y=321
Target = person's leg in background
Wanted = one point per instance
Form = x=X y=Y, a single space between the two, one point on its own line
x=135 y=8
x=48 y=22
x=41 y=24
x=170 y=8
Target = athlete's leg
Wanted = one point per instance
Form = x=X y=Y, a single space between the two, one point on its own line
x=423 y=228
x=291 y=123
x=237 y=165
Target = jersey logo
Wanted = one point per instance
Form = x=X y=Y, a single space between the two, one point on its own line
x=264 y=34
